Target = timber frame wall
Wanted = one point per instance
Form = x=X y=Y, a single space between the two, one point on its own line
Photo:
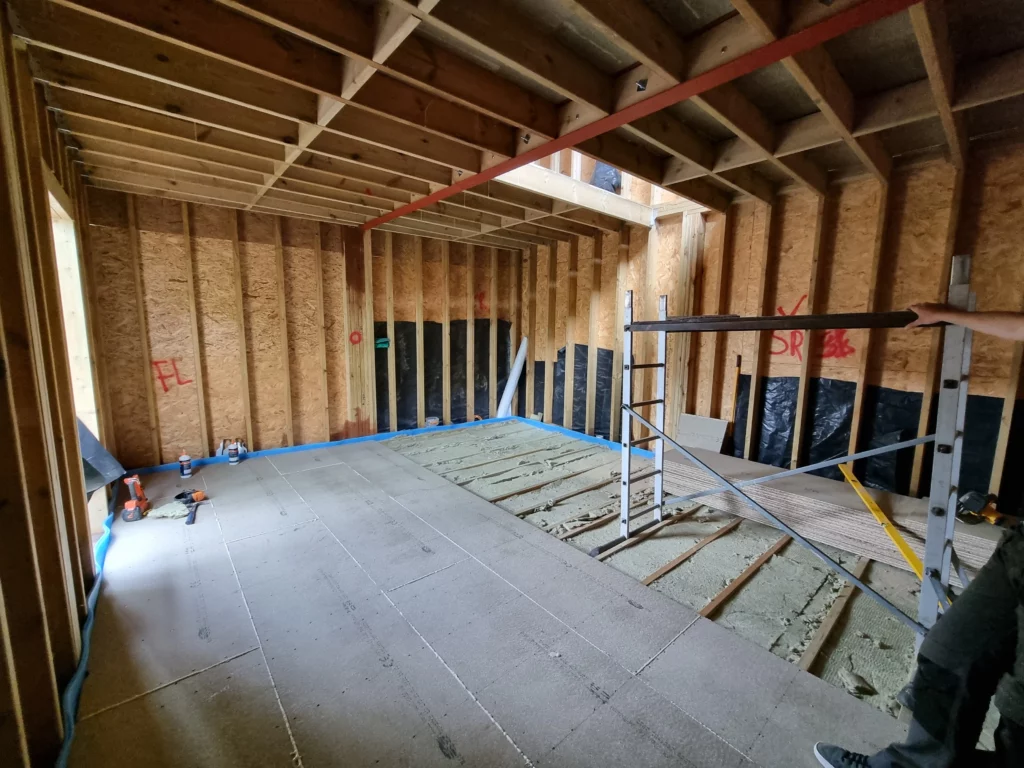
x=46 y=561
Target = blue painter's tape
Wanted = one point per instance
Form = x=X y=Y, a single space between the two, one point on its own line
x=73 y=692
x=380 y=436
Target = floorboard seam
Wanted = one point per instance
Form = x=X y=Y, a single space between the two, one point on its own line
x=296 y=757
x=556 y=618
x=420 y=578
x=168 y=684
x=424 y=640
x=664 y=648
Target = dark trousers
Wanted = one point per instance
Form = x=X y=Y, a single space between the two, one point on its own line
x=974 y=652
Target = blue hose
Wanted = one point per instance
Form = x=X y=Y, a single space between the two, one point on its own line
x=73 y=692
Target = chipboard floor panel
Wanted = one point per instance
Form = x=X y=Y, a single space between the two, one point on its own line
x=396 y=619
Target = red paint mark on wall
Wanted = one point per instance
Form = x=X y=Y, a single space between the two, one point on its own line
x=355 y=337
x=163 y=375
x=834 y=343
x=481 y=302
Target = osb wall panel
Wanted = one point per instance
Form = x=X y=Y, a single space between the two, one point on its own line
x=482 y=281
x=120 y=330
x=332 y=254
x=303 y=307
x=746 y=259
x=457 y=307
x=991 y=225
x=403 y=250
x=584 y=281
x=713 y=272
x=606 y=330
x=433 y=281
x=505 y=284
x=544 y=278
x=218 y=318
x=264 y=335
x=165 y=290
x=380 y=293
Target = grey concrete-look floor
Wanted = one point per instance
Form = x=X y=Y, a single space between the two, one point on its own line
x=345 y=607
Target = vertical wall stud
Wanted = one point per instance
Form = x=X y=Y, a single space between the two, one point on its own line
x=243 y=354
x=531 y=330
x=570 y=332
x=756 y=362
x=470 y=334
x=318 y=267
x=421 y=402
x=549 y=366
x=718 y=278
x=808 y=341
x=516 y=331
x=492 y=369
x=368 y=346
x=389 y=288
x=289 y=429
x=592 y=332
x=140 y=303
x=197 y=345
x=446 y=335
x=620 y=303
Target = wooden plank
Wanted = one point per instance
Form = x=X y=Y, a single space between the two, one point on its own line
x=813 y=281
x=389 y=289
x=531 y=330
x=719 y=277
x=570 y=495
x=492 y=371
x=1006 y=419
x=197 y=344
x=446 y=335
x=140 y=304
x=865 y=348
x=592 y=332
x=621 y=275
x=720 y=599
x=637 y=538
x=835 y=613
x=421 y=401
x=597 y=523
x=538 y=486
x=318 y=267
x=549 y=363
x=516 y=332
x=368 y=346
x=243 y=362
x=470 y=334
x=935 y=353
x=283 y=311
x=37 y=716
x=675 y=563
x=570 y=333
x=760 y=339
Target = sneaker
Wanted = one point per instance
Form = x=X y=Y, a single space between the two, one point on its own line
x=831 y=756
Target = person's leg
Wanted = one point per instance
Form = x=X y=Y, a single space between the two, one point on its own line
x=1009 y=698
x=960 y=664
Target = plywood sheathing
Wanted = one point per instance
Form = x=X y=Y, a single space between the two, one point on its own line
x=335 y=328
x=218 y=320
x=303 y=323
x=433 y=281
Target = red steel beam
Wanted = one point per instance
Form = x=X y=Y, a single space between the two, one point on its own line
x=853 y=18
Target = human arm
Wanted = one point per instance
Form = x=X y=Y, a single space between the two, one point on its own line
x=1004 y=325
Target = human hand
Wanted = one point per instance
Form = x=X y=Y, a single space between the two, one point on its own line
x=927 y=314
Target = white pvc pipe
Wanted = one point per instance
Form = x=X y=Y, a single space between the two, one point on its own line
x=505 y=406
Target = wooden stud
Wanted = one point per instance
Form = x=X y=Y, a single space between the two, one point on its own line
x=492 y=371
x=516 y=331
x=548 y=503
x=538 y=486
x=421 y=396
x=368 y=346
x=243 y=354
x=446 y=334
x=864 y=352
x=681 y=346
x=719 y=277
x=318 y=267
x=835 y=613
x=720 y=599
x=470 y=334
x=532 y=257
x=1006 y=419
x=675 y=563
x=389 y=289
x=622 y=267
x=570 y=333
x=140 y=305
x=637 y=538
x=760 y=338
x=593 y=524
x=934 y=356
x=645 y=345
x=549 y=363
x=197 y=345
x=592 y=333
x=289 y=430
x=36 y=714
x=806 y=346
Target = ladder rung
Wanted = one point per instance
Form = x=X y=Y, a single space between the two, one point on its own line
x=640 y=366
x=642 y=403
x=642 y=440
x=650 y=474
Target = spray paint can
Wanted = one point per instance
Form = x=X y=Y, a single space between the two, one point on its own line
x=185 y=464
x=233 y=452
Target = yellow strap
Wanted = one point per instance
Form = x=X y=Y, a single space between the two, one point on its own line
x=901 y=544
